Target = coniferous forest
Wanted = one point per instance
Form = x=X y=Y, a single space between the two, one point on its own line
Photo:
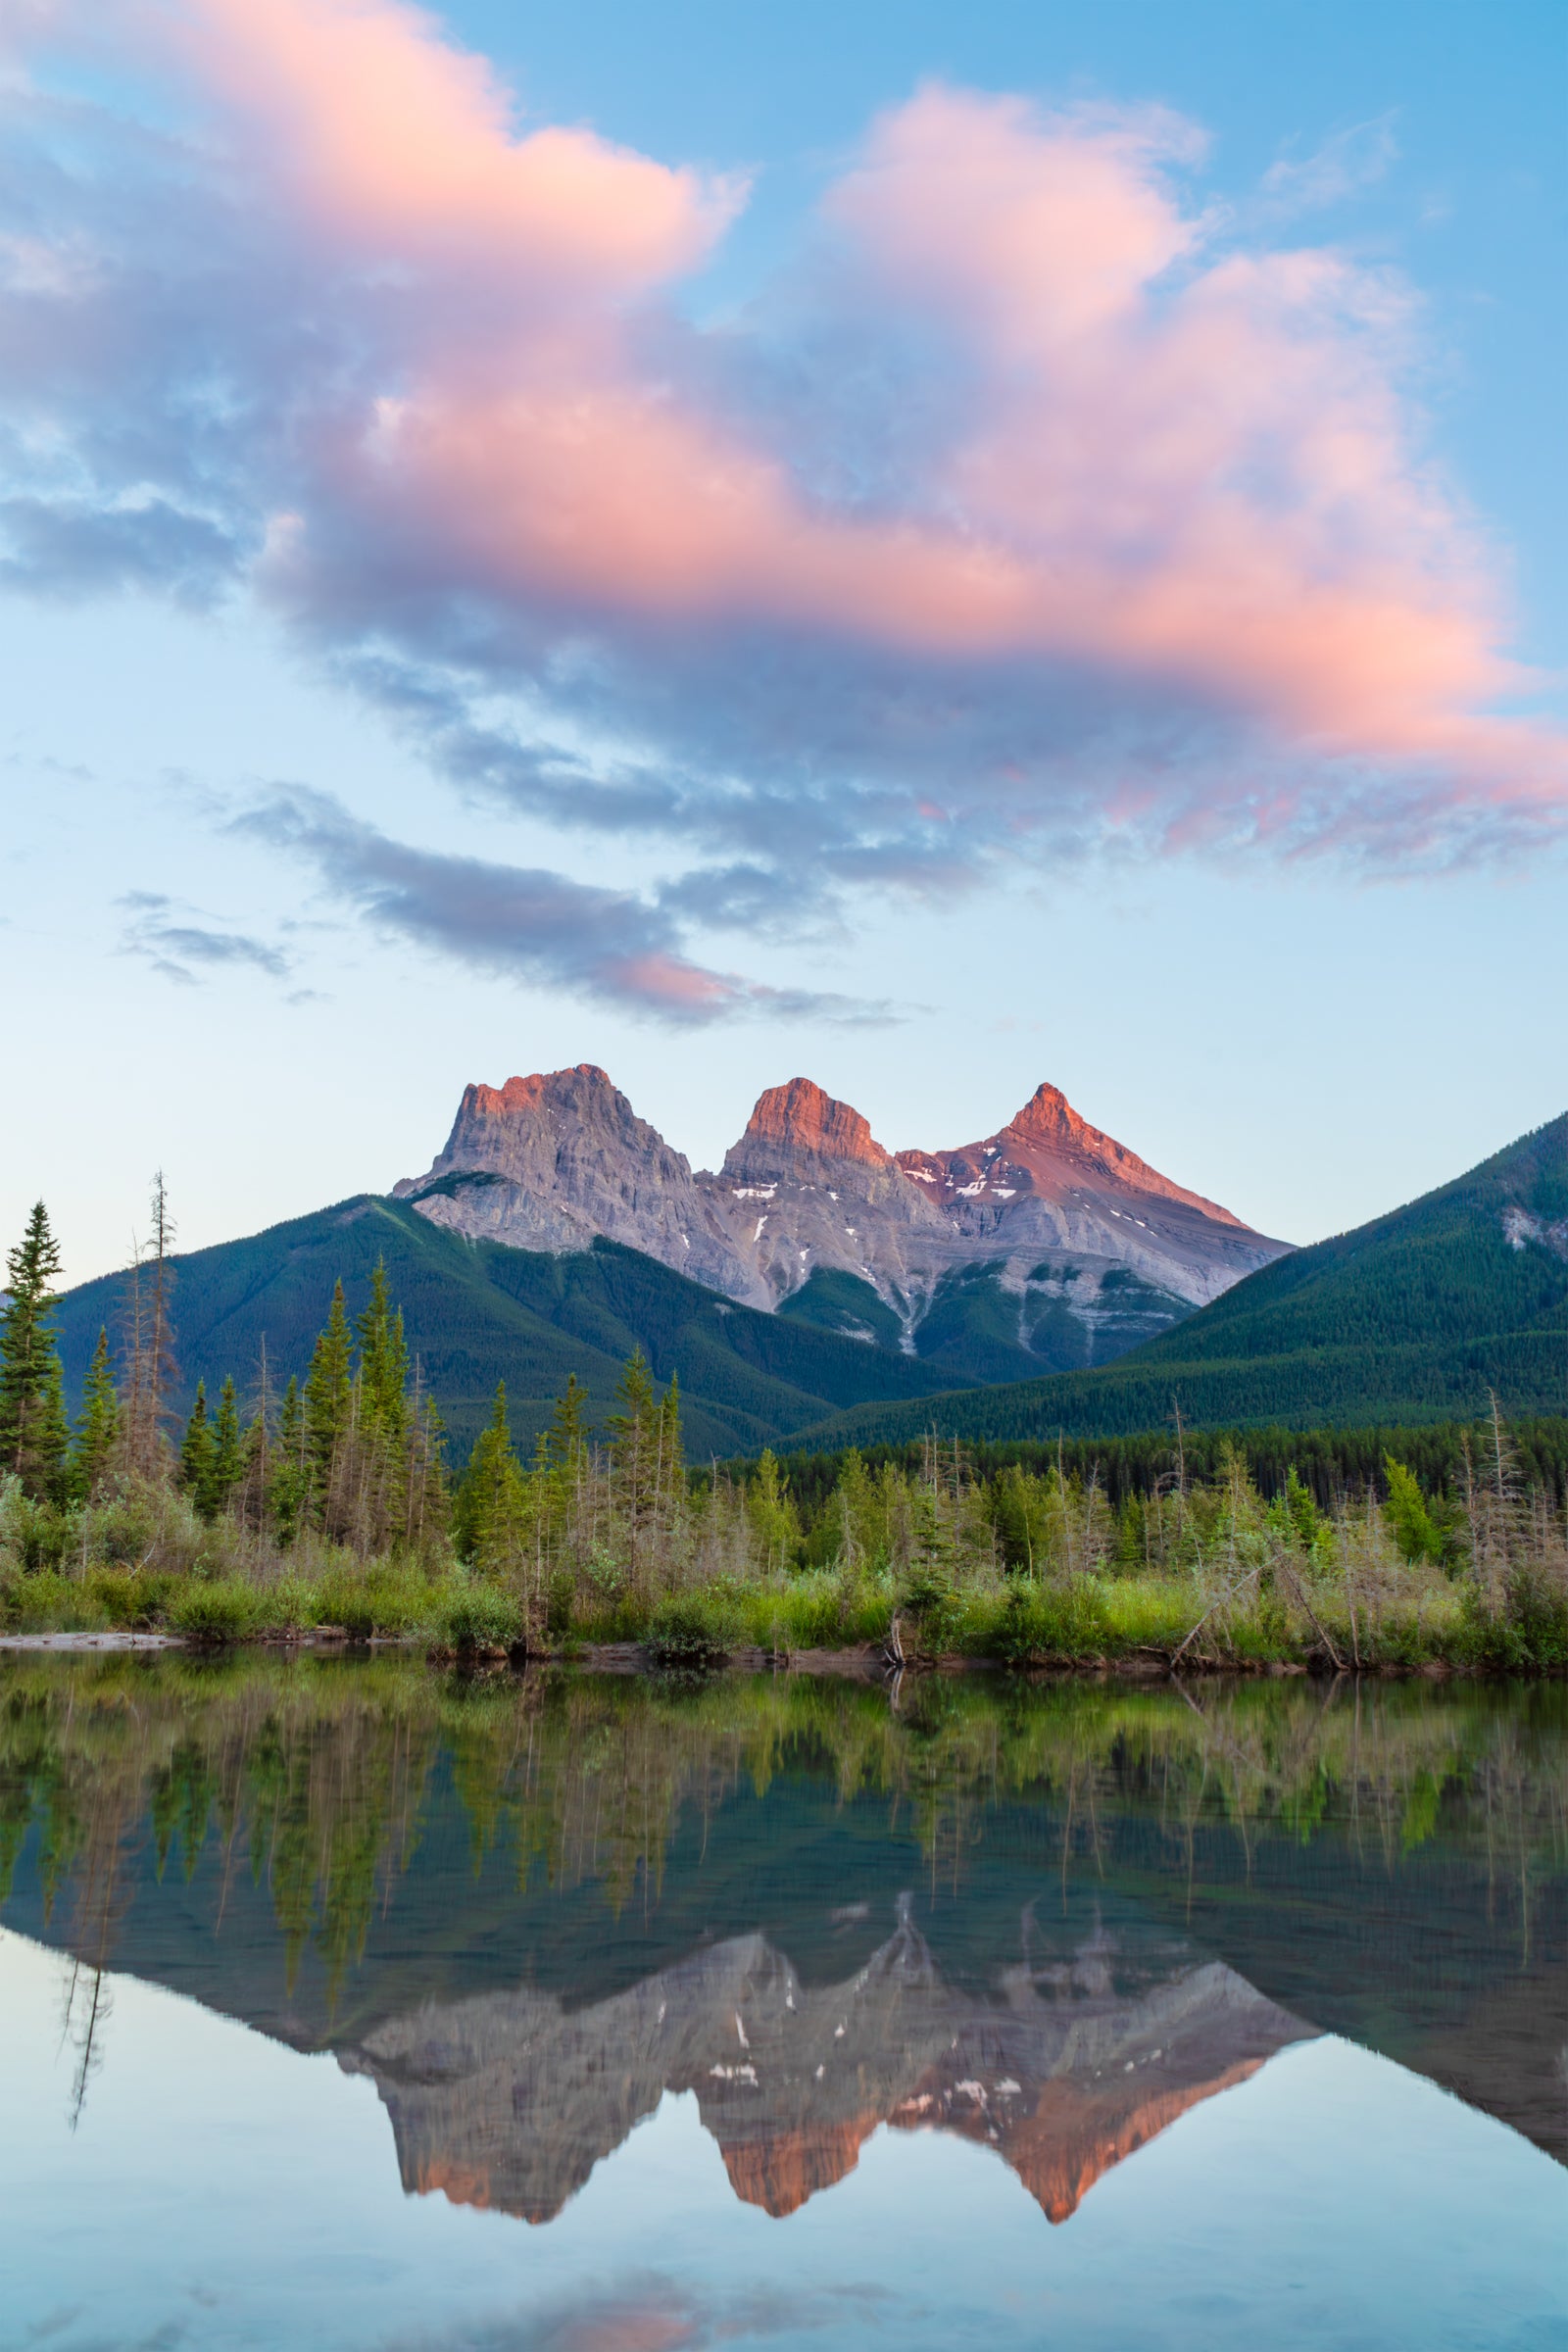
x=330 y=1502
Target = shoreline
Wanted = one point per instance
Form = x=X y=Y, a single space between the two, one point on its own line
x=867 y=1662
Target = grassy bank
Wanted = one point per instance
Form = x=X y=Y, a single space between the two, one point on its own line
x=1355 y=1605
x=939 y=1558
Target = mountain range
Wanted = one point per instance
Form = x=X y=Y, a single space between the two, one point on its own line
x=1046 y=1235
x=1419 y=1317
x=815 y=1271
x=819 y=1289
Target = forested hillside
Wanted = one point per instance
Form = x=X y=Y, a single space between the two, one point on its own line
x=476 y=1312
x=1409 y=1319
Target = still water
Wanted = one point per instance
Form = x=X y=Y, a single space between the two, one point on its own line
x=344 y=2004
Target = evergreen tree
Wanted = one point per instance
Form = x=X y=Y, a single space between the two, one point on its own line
x=34 y=1433
x=229 y=1448
x=289 y=1485
x=329 y=1398
x=632 y=1449
x=487 y=1514
x=564 y=1442
x=383 y=1365
x=196 y=1455
x=98 y=1429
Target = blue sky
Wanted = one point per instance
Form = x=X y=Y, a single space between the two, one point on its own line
x=260 y=860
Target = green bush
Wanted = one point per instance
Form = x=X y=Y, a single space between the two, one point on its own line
x=290 y=1606
x=223 y=1610
x=1068 y=1620
x=40 y=1601
x=476 y=1616
x=930 y=1607
x=127 y=1597
x=379 y=1600
x=692 y=1629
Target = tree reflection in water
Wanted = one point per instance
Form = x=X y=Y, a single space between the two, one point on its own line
x=1047 y=1917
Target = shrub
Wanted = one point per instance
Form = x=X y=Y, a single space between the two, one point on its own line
x=223 y=1610
x=128 y=1598
x=40 y=1601
x=379 y=1600
x=478 y=1617
x=692 y=1630
x=1068 y=1620
x=930 y=1604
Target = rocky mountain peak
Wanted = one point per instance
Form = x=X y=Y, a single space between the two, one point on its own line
x=800 y=1120
x=571 y=1089
x=1048 y=1125
x=560 y=1158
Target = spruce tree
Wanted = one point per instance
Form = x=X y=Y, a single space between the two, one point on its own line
x=633 y=1445
x=34 y=1433
x=329 y=1398
x=567 y=1437
x=489 y=1501
x=383 y=1364
x=98 y=1429
x=229 y=1448
x=196 y=1455
x=289 y=1483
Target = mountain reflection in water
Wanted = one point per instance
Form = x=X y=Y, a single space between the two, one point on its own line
x=1050 y=1919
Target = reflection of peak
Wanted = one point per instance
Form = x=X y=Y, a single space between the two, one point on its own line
x=508 y=2099
x=1071 y=2138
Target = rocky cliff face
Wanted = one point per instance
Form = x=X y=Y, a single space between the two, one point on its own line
x=1064 y=2069
x=553 y=1162
x=1062 y=1216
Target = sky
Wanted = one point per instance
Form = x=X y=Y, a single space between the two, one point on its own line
x=930 y=550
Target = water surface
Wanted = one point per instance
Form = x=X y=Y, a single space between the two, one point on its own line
x=345 y=2004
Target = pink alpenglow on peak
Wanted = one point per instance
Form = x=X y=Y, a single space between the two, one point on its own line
x=800 y=1118
x=1054 y=1205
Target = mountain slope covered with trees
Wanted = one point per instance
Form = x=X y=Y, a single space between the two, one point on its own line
x=1409 y=1319
x=476 y=1312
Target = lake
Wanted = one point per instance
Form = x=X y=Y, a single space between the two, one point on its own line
x=345 y=2003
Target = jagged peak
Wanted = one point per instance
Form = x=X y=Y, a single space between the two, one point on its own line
x=520 y=1094
x=1049 y=1121
x=801 y=1117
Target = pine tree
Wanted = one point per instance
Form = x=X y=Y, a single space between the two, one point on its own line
x=98 y=1429
x=566 y=1440
x=328 y=1399
x=288 y=1488
x=383 y=1365
x=196 y=1455
x=486 y=1516
x=229 y=1448
x=34 y=1433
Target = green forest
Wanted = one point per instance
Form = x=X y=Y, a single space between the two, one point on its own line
x=331 y=1504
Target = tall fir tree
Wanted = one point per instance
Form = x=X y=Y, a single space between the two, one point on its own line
x=289 y=1483
x=383 y=1365
x=229 y=1448
x=35 y=1436
x=92 y=1455
x=487 y=1514
x=566 y=1440
x=329 y=1398
x=196 y=1455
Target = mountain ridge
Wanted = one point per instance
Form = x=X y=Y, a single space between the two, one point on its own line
x=1047 y=1241
x=1416 y=1316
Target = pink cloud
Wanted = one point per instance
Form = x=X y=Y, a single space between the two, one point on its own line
x=392 y=141
x=1148 y=468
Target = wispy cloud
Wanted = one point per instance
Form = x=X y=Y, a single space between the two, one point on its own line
x=523 y=923
x=1049 y=508
x=1347 y=162
x=173 y=946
